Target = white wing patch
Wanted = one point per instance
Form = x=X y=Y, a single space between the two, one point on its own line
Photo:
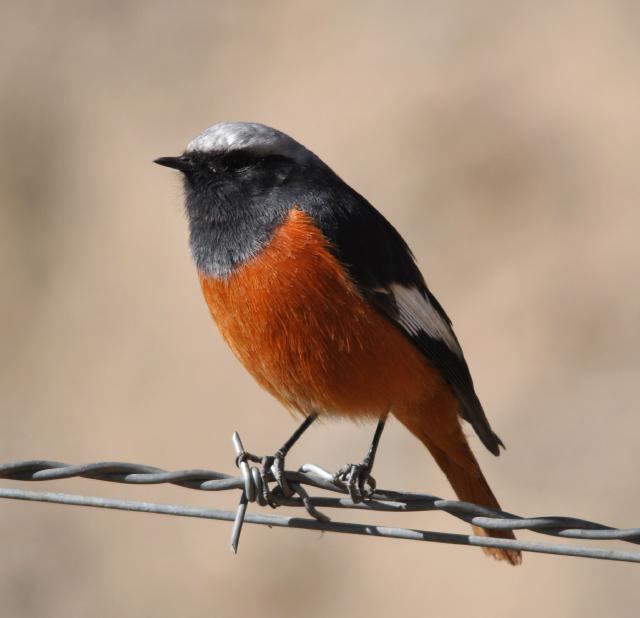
x=417 y=314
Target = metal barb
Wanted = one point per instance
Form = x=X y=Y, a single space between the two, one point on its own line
x=237 y=523
x=248 y=495
x=244 y=467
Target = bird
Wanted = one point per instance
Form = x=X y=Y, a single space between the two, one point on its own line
x=322 y=301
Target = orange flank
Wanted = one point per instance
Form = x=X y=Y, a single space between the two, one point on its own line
x=298 y=323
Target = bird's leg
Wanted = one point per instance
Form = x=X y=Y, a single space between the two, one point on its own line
x=356 y=478
x=275 y=463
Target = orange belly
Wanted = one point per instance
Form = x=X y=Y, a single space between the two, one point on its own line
x=299 y=325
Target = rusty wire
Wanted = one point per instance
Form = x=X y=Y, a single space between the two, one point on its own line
x=249 y=484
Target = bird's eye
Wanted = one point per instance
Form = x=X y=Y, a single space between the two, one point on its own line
x=213 y=168
x=238 y=161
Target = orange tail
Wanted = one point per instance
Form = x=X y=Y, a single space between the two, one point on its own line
x=437 y=426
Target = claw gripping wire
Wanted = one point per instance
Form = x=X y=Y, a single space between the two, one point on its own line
x=256 y=487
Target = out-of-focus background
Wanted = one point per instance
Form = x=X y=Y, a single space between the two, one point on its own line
x=501 y=138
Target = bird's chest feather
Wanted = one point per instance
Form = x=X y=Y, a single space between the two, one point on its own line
x=300 y=326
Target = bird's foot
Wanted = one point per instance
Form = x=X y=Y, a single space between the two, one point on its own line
x=273 y=466
x=271 y=469
x=357 y=480
x=257 y=481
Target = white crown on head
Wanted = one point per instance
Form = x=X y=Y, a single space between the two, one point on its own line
x=227 y=136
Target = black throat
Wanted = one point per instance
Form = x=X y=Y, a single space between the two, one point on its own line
x=233 y=214
x=223 y=235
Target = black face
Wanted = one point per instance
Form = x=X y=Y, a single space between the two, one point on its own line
x=233 y=203
x=236 y=168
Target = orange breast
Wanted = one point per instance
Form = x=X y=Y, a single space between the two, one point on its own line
x=299 y=325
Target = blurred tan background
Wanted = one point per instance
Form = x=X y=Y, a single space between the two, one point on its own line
x=501 y=138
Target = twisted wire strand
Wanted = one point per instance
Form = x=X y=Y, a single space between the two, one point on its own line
x=313 y=476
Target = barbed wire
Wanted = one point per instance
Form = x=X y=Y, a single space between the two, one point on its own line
x=251 y=484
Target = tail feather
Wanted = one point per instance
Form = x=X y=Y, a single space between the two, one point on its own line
x=470 y=486
x=440 y=431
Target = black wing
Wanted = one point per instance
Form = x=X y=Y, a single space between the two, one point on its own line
x=383 y=267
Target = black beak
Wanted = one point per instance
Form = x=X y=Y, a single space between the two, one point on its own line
x=182 y=163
